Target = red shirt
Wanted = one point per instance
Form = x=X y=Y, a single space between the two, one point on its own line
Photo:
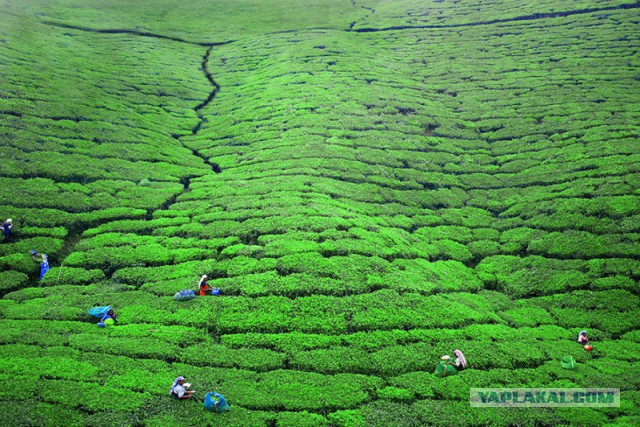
x=204 y=287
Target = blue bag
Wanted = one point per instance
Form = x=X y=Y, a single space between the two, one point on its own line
x=185 y=295
x=215 y=402
x=99 y=312
x=215 y=291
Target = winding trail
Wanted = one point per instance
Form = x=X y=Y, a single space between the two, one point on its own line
x=534 y=16
x=76 y=229
x=205 y=59
x=133 y=32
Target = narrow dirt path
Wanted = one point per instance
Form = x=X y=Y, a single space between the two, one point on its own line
x=532 y=17
x=76 y=229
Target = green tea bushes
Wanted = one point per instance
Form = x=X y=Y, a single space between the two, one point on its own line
x=72 y=276
x=335 y=360
x=289 y=343
x=214 y=355
x=384 y=309
x=459 y=242
x=175 y=413
x=12 y=280
x=140 y=275
x=30 y=332
x=40 y=309
x=82 y=168
x=531 y=276
x=40 y=413
x=242 y=265
x=372 y=240
x=516 y=240
x=91 y=396
x=292 y=285
x=288 y=244
x=50 y=367
x=34 y=217
x=351 y=268
x=527 y=315
x=419 y=275
x=300 y=419
x=347 y=418
x=137 y=226
x=580 y=244
x=140 y=346
x=620 y=368
x=295 y=391
x=74 y=197
x=110 y=259
x=58 y=232
x=439 y=412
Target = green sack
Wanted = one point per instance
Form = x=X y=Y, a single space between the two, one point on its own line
x=445 y=369
x=568 y=362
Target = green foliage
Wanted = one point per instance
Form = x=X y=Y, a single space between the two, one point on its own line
x=531 y=276
x=347 y=418
x=294 y=390
x=366 y=201
x=72 y=276
x=397 y=394
x=29 y=412
x=578 y=244
x=12 y=280
x=245 y=358
x=300 y=419
x=91 y=396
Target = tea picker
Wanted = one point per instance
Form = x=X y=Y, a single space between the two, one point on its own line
x=44 y=265
x=582 y=339
x=179 y=389
x=449 y=366
x=204 y=287
x=6 y=229
x=106 y=315
x=109 y=318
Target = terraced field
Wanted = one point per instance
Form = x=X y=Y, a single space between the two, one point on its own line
x=371 y=183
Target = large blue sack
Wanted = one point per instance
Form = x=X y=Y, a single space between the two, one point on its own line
x=184 y=295
x=99 y=312
x=215 y=402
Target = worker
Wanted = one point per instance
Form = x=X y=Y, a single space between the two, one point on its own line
x=450 y=366
x=179 y=389
x=203 y=286
x=6 y=229
x=109 y=318
x=44 y=265
x=582 y=339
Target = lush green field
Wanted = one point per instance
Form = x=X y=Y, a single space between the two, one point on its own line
x=371 y=183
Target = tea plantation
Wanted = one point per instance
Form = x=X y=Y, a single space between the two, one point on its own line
x=372 y=184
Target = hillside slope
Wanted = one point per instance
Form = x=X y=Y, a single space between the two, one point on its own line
x=371 y=184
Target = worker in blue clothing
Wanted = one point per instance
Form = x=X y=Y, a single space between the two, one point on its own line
x=44 y=265
x=6 y=229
